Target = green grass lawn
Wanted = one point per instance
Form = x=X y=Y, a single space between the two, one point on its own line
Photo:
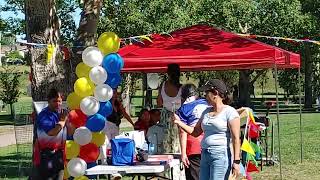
x=23 y=106
x=10 y=160
x=290 y=151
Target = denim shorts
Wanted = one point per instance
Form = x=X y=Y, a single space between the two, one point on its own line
x=215 y=163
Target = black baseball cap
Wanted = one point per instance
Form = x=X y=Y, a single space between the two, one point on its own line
x=216 y=84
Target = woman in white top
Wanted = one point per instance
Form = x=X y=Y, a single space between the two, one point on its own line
x=169 y=98
x=220 y=123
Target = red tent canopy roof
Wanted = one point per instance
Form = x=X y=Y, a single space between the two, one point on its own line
x=202 y=47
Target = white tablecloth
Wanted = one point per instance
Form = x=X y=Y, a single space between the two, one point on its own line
x=151 y=168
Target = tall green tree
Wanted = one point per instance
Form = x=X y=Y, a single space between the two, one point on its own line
x=9 y=87
x=312 y=52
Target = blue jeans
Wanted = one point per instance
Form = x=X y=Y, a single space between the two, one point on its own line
x=215 y=163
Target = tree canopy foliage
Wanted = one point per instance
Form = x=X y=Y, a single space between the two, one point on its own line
x=285 y=18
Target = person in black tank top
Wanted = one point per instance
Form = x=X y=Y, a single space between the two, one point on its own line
x=118 y=111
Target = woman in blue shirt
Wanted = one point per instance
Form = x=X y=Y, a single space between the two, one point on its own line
x=220 y=123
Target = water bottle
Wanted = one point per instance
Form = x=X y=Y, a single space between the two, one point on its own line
x=153 y=144
x=151 y=149
x=109 y=154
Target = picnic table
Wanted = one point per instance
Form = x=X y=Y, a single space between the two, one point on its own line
x=155 y=165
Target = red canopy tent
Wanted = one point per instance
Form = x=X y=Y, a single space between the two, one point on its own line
x=202 y=47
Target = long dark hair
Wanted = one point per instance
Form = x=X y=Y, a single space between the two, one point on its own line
x=226 y=97
x=173 y=72
x=188 y=90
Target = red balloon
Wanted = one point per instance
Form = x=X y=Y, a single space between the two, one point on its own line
x=77 y=118
x=89 y=152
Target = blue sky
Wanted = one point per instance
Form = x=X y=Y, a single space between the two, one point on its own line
x=5 y=15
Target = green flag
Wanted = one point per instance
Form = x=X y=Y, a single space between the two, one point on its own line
x=255 y=147
x=251 y=158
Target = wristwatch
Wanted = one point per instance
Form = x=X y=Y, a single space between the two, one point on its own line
x=236 y=161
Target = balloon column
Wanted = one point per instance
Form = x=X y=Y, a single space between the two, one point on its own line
x=90 y=102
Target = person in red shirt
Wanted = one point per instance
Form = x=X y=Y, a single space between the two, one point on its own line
x=190 y=112
x=147 y=119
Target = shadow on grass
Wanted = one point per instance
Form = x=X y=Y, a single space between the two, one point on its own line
x=6 y=120
x=10 y=163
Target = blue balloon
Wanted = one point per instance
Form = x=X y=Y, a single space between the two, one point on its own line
x=105 y=109
x=96 y=123
x=112 y=63
x=114 y=80
x=90 y=165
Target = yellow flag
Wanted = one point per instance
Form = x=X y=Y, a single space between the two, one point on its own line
x=247 y=147
x=146 y=37
x=50 y=52
x=252 y=117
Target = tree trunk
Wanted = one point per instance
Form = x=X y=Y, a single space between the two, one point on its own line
x=87 y=31
x=42 y=26
x=308 y=77
x=244 y=85
x=12 y=112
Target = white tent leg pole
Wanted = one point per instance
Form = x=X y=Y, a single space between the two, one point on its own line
x=278 y=122
x=300 y=117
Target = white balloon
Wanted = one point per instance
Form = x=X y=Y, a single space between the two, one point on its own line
x=98 y=75
x=153 y=80
x=76 y=167
x=89 y=105
x=92 y=56
x=82 y=135
x=103 y=92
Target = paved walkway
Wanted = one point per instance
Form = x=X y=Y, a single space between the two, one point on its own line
x=7 y=136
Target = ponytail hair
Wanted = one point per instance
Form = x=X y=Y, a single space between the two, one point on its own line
x=226 y=97
x=173 y=72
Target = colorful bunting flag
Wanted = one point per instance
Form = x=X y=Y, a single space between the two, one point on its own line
x=247 y=147
x=253 y=130
x=50 y=52
x=251 y=117
x=255 y=147
x=146 y=37
x=251 y=167
x=251 y=158
x=248 y=176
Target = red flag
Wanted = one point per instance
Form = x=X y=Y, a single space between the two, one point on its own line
x=251 y=167
x=253 y=130
x=248 y=177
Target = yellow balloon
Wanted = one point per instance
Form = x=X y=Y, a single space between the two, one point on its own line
x=81 y=178
x=108 y=42
x=98 y=138
x=66 y=174
x=83 y=87
x=72 y=149
x=82 y=70
x=73 y=101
